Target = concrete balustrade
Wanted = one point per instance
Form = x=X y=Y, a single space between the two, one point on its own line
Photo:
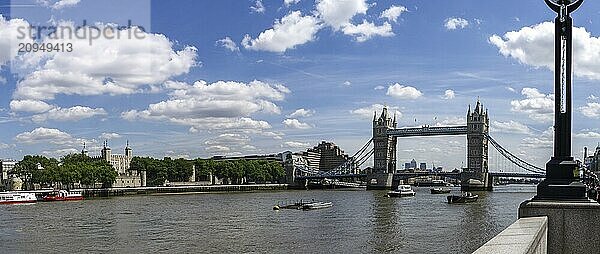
x=525 y=236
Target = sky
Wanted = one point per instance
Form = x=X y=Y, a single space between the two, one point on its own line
x=239 y=77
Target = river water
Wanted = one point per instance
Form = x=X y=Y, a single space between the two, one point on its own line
x=359 y=222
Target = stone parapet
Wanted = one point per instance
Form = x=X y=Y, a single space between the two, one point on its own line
x=573 y=227
x=525 y=236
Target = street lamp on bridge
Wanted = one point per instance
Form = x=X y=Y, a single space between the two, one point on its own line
x=562 y=173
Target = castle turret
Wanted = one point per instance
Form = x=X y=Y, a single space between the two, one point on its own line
x=128 y=151
x=84 y=151
x=106 y=152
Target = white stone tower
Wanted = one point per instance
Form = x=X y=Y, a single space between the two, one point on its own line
x=478 y=125
x=384 y=146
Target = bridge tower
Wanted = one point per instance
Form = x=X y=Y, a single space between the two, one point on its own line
x=384 y=151
x=475 y=176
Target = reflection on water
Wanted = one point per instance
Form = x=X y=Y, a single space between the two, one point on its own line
x=359 y=222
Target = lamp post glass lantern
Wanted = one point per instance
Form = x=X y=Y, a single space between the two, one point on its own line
x=562 y=172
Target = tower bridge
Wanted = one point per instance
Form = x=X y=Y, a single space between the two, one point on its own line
x=385 y=140
x=383 y=147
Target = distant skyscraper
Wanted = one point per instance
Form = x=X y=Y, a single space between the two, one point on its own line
x=423 y=166
x=413 y=164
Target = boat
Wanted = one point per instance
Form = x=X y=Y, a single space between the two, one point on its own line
x=440 y=190
x=317 y=205
x=7 y=198
x=402 y=191
x=466 y=197
x=63 y=195
x=303 y=205
x=430 y=183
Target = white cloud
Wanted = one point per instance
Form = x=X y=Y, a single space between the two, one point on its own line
x=258 y=7
x=511 y=89
x=534 y=46
x=217 y=149
x=347 y=83
x=58 y=4
x=103 y=66
x=379 y=88
x=30 y=106
x=4 y=146
x=220 y=105
x=452 y=121
x=591 y=110
x=543 y=141
x=403 y=92
x=108 y=136
x=456 y=23
x=448 y=95
x=273 y=134
x=539 y=106
x=295 y=144
x=592 y=97
x=510 y=127
x=45 y=135
x=393 y=12
x=296 y=124
x=69 y=114
x=64 y=4
x=366 y=30
x=338 y=14
x=228 y=43
x=287 y=3
x=301 y=113
x=367 y=112
x=60 y=152
x=589 y=134
x=9 y=38
x=229 y=139
x=287 y=33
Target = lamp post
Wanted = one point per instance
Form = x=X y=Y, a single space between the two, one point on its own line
x=562 y=177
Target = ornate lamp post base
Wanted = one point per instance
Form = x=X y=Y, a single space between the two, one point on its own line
x=561 y=182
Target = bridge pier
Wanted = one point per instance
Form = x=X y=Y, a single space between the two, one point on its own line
x=473 y=181
x=380 y=181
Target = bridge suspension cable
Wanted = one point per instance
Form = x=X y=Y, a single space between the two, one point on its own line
x=514 y=159
x=353 y=163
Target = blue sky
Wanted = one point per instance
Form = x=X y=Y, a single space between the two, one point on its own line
x=291 y=75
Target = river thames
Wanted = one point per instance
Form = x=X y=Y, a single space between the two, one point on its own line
x=359 y=222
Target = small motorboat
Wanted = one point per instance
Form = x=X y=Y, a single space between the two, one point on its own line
x=402 y=191
x=304 y=205
x=63 y=195
x=440 y=190
x=317 y=205
x=466 y=197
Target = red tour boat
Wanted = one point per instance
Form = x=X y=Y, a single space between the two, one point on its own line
x=63 y=195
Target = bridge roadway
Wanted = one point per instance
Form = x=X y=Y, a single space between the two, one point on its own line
x=454 y=175
x=428 y=131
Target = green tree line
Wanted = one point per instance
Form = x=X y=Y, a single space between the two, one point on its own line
x=71 y=169
x=78 y=168
x=180 y=170
x=157 y=171
x=251 y=170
